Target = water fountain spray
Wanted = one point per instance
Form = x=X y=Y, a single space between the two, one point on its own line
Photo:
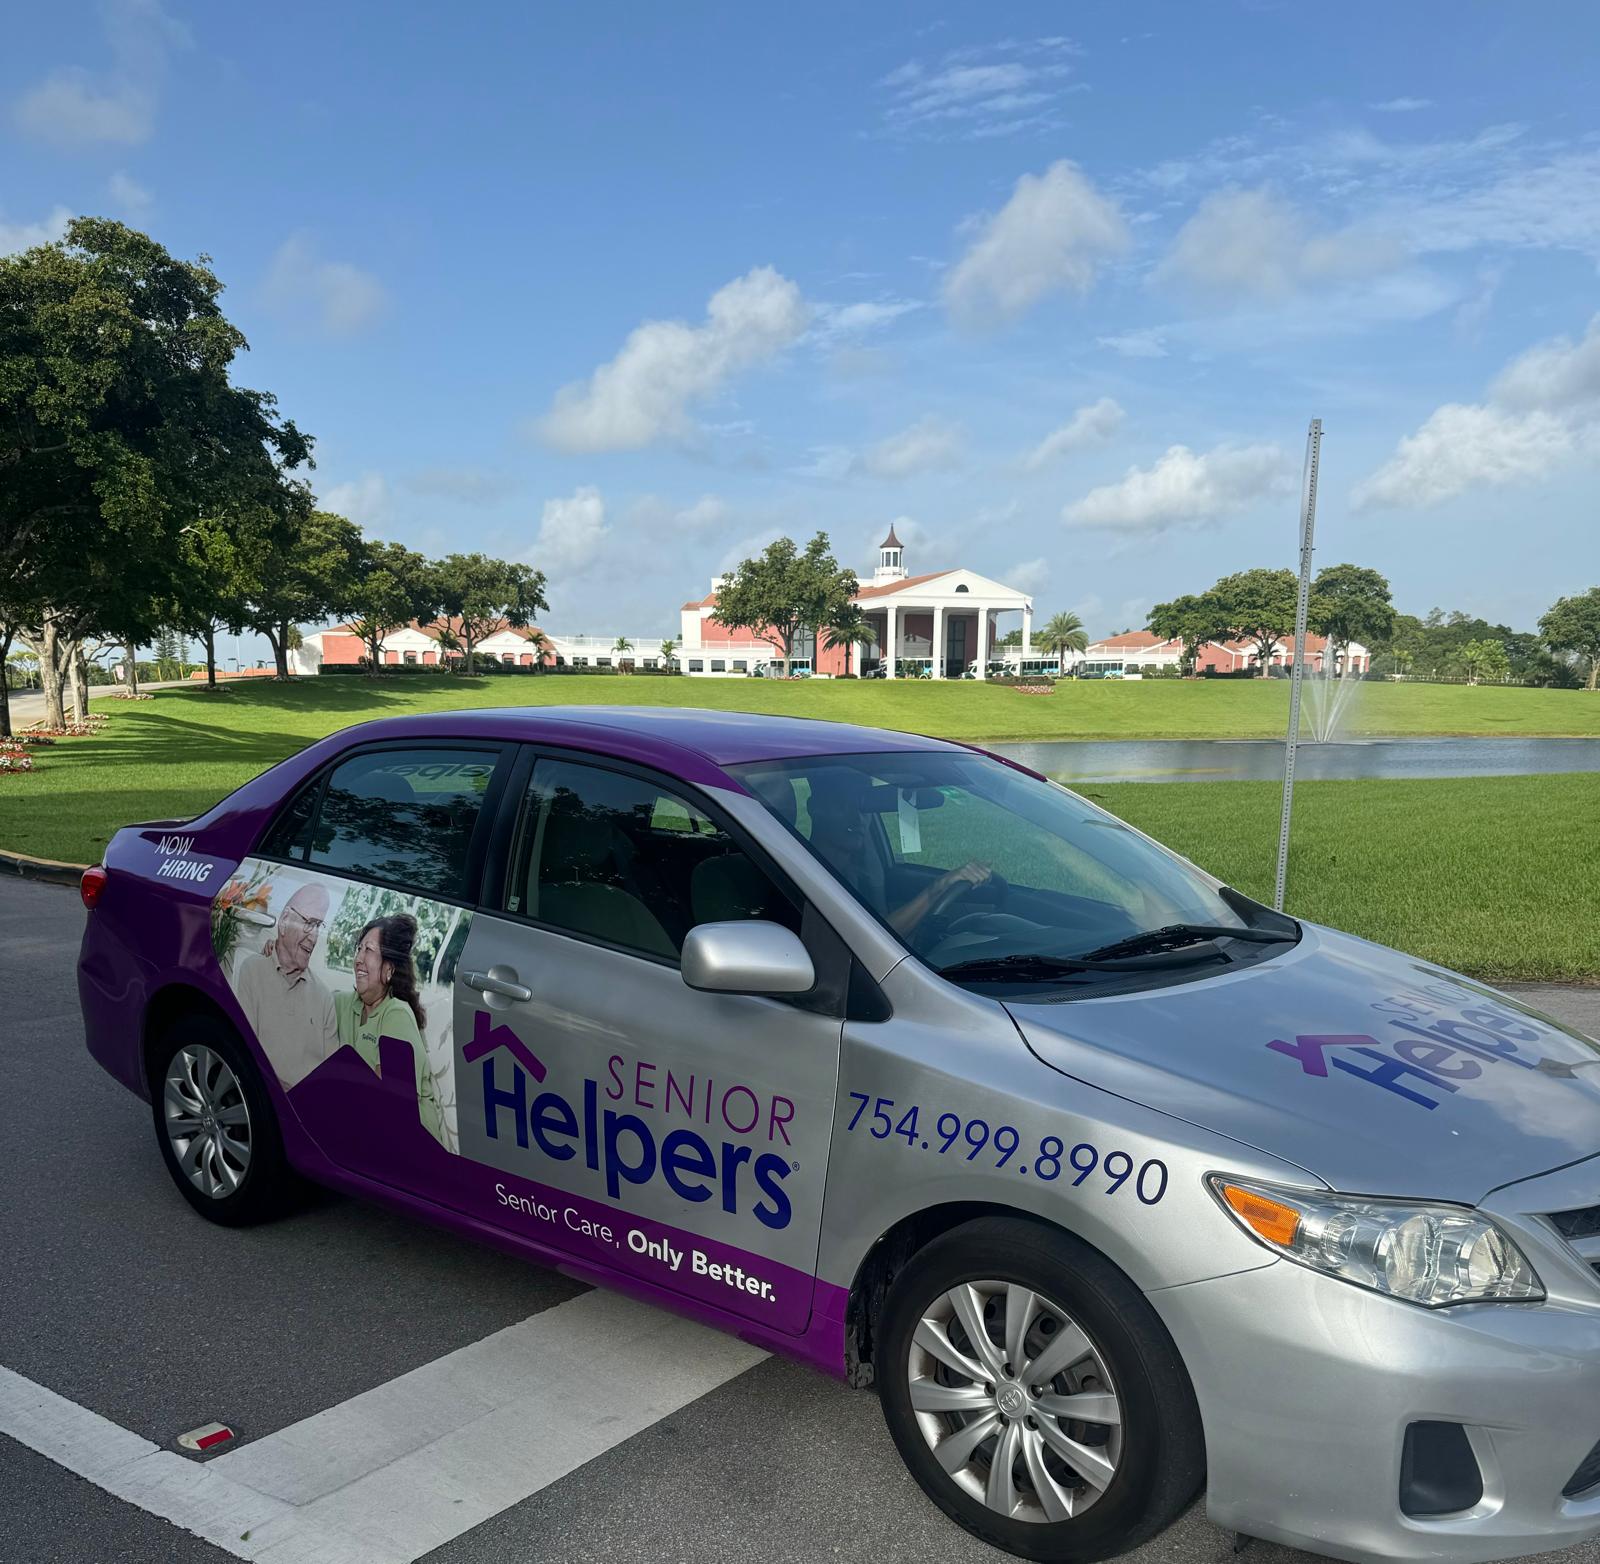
x=1308 y=523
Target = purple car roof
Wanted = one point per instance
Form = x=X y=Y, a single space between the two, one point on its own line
x=722 y=738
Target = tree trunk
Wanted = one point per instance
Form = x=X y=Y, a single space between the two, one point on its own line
x=279 y=640
x=77 y=670
x=133 y=668
x=211 y=655
x=5 y=682
x=1594 y=670
x=45 y=644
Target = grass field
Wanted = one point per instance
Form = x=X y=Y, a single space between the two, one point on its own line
x=1495 y=876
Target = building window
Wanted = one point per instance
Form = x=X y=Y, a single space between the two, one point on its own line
x=602 y=662
x=509 y=657
x=697 y=665
x=962 y=588
x=719 y=665
x=411 y=657
x=740 y=665
x=647 y=662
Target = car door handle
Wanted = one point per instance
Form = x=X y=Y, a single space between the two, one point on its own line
x=260 y=920
x=487 y=983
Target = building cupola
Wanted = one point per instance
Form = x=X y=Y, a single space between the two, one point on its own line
x=891 y=560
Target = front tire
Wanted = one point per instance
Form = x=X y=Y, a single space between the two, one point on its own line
x=216 y=1126
x=1035 y=1395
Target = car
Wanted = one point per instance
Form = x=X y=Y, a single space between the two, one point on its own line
x=894 y=1056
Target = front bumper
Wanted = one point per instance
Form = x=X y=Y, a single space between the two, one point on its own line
x=1307 y=1385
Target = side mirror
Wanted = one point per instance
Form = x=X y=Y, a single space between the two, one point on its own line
x=746 y=956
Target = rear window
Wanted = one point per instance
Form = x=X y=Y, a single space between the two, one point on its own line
x=404 y=817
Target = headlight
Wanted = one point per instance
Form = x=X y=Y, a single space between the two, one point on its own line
x=1427 y=1254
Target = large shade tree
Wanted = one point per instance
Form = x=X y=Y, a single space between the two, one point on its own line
x=1258 y=606
x=394 y=586
x=783 y=591
x=311 y=580
x=1572 y=624
x=1351 y=603
x=119 y=426
x=475 y=596
x=1193 y=619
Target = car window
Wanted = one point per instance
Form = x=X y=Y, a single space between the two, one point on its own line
x=617 y=858
x=405 y=817
x=289 y=833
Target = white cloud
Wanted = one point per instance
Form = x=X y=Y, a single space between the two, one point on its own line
x=1051 y=236
x=1148 y=343
x=1089 y=426
x=76 y=107
x=1557 y=374
x=26 y=236
x=1253 y=244
x=708 y=512
x=364 y=500
x=336 y=297
x=1541 y=408
x=1031 y=576
x=976 y=93
x=572 y=532
x=128 y=195
x=929 y=445
x=645 y=392
x=832 y=322
x=1402 y=105
x=1463 y=447
x=1182 y=487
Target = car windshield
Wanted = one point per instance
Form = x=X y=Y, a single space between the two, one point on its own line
x=973 y=863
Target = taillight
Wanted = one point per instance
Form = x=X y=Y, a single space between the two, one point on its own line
x=92 y=885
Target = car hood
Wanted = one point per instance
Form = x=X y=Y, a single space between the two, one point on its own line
x=1378 y=1073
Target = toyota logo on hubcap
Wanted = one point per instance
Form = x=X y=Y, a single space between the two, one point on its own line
x=1011 y=1400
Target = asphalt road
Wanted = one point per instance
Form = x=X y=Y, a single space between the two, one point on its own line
x=114 y=1295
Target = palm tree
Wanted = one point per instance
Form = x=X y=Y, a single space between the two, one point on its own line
x=669 y=653
x=539 y=644
x=624 y=665
x=1062 y=634
x=847 y=625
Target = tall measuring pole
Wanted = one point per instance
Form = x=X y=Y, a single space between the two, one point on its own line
x=1308 y=527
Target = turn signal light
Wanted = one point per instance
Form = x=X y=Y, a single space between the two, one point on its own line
x=92 y=885
x=1269 y=1219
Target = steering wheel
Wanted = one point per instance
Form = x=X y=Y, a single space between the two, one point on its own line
x=994 y=891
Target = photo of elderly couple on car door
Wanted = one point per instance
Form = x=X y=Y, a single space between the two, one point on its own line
x=318 y=964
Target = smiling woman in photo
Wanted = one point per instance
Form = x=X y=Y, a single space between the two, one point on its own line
x=384 y=1003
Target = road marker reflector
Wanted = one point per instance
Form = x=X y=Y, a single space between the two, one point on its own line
x=206 y=1437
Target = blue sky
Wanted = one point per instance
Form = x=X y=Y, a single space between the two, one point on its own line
x=627 y=291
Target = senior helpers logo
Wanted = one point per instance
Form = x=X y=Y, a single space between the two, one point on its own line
x=621 y=1147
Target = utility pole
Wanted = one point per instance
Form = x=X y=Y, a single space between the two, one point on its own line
x=1308 y=525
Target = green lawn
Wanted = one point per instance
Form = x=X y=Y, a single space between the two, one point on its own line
x=1495 y=876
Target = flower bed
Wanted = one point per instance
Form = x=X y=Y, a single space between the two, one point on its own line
x=1034 y=689
x=14 y=761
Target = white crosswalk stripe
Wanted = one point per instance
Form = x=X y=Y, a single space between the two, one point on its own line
x=401 y=1469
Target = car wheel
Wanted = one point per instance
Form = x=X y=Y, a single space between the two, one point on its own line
x=1035 y=1395
x=216 y=1126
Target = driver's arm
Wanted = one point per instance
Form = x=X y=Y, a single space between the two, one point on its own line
x=905 y=918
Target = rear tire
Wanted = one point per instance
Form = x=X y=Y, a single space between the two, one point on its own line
x=216 y=1126
x=1084 y=1447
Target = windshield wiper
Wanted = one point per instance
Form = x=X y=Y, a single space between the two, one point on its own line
x=1174 y=936
x=1027 y=966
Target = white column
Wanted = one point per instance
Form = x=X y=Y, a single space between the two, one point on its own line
x=1027 y=630
x=981 y=623
x=938 y=641
x=888 y=640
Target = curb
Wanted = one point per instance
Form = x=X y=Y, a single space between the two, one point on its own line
x=48 y=870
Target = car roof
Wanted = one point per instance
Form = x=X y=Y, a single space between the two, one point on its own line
x=720 y=738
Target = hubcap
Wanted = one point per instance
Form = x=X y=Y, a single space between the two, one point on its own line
x=207 y=1121
x=1015 y=1401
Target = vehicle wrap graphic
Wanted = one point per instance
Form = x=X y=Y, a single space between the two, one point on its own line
x=1429 y=1042
x=351 y=991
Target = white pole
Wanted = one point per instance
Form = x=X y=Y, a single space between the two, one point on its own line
x=1308 y=523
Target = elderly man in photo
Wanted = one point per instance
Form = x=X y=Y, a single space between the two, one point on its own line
x=287 y=1006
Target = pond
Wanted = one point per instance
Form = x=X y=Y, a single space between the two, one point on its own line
x=1240 y=760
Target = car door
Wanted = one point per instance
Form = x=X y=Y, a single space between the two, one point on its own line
x=610 y=1110
x=340 y=937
